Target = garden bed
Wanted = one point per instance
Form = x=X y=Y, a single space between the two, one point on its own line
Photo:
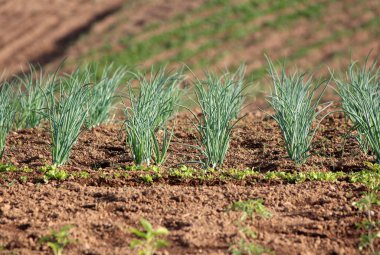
x=103 y=195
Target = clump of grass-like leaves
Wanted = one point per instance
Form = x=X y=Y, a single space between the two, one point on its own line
x=67 y=106
x=30 y=99
x=220 y=100
x=296 y=111
x=7 y=113
x=102 y=93
x=360 y=97
x=148 y=113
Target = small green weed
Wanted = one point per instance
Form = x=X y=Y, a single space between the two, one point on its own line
x=183 y=172
x=245 y=244
x=149 y=239
x=244 y=247
x=240 y=174
x=251 y=207
x=81 y=174
x=155 y=169
x=26 y=169
x=7 y=168
x=147 y=178
x=52 y=172
x=23 y=178
x=298 y=177
x=84 y=175
x=57 y=240
x=366 y=205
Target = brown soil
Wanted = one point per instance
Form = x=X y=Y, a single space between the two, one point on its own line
x=256 y=143
x=36 y=31
x=308 y=218
x=129 y=21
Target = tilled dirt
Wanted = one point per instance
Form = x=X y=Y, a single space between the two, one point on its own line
x=130 y=22
x=308 y=218
x=256 y=143
x=36 y=31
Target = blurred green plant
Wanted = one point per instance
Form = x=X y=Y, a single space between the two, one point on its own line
x=149 y=239
x=52 y=172
x=366 y=205
x=244 y=244
x=58 y=240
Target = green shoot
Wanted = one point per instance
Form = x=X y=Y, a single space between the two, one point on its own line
x=220 y=100
x=245 y=244
x=66 y=113
x=251 y=207
x=58 y=240
x=149 y=239
x=7 y=114
x=295 y=111
x=146 y=178
x=148 y=113
x=244 y=247
x=360 y=96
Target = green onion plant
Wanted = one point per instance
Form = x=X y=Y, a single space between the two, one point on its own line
x=7 y=113
x=30 y=99
x=102 y=93
x=220 y=100
x=148 y=113
x=68 y=101
x=296 y=110
x=360 y=98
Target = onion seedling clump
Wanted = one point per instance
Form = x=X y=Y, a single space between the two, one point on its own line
x=360 y=97
x=102 y=93
x=68 y=101
x=220 y=100
x=30 y=100
x=148 y=113
x=296 y=110
x=7 y=114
